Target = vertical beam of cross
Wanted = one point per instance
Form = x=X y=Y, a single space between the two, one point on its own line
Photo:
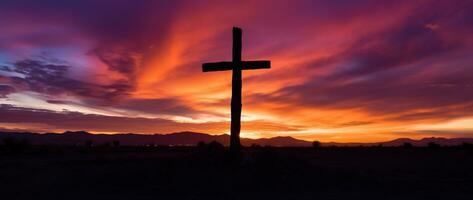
x=236 y=91
x=237 y=65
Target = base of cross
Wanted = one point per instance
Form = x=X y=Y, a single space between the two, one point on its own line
x=233 y=157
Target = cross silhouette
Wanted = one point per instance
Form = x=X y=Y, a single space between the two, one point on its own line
x=236 y=65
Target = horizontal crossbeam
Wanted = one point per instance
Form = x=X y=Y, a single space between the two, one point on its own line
x=247 y=65
x=257 y=64
x=217 y=66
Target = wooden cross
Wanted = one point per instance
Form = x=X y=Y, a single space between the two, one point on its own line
x=236 y=65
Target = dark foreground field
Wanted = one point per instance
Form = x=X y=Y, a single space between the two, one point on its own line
x=264 y=173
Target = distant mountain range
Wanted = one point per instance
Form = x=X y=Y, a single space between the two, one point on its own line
x=400 y=141
x=192 y=138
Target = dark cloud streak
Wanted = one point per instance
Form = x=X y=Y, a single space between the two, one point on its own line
x=51 y=78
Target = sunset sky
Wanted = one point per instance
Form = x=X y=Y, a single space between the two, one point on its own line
x=341 y=71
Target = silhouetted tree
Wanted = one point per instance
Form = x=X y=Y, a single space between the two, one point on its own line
x=433 y=145
x=407 y=145
x=315 y=144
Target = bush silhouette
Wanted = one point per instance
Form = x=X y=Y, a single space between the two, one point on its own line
x=213 y=146
x=316 y=144
x=15 y=145
x=433 y=145
x=407 y=145
x=467 y=145
x=105 y=145
x=201 y=145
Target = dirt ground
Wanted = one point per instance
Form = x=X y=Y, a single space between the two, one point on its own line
x=262 y=173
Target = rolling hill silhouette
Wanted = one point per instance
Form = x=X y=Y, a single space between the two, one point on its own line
x=192 y=138
x=174 y=139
